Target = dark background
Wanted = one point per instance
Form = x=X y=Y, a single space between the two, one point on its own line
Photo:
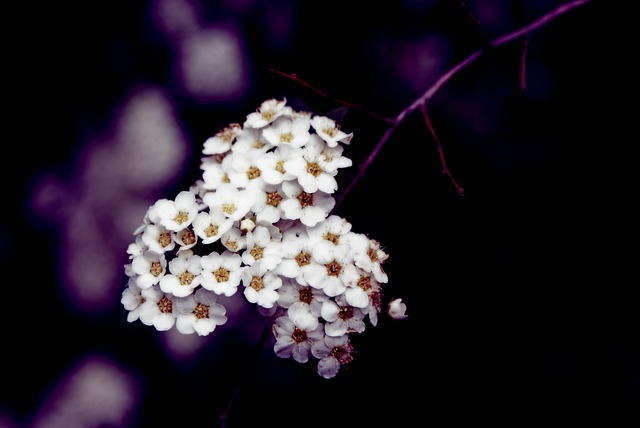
x=520 y=294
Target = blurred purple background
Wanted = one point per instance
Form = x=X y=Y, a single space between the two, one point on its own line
x=520 y=294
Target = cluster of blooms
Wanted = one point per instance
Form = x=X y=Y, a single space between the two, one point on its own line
x=260 y=219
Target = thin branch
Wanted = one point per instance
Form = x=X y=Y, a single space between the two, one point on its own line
x=445 y=168
x=429 y=93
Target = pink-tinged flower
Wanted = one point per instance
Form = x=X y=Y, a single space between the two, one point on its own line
x=397 y=309
x=332 y=353
x=342 y=318
x=293 y=340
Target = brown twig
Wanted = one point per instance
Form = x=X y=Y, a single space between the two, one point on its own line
x=445 y=168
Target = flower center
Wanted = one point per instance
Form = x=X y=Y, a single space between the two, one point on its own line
x=186 y=277
x=273 y=199
x=306 y=295
x=256 y=252
x=333 y=268
x=256 y=283
x=212 y=230
x=156 y=268
x=165 y=305
x=314 y=169
x=164 y=239
x=364 y=282
x=181 y=217
x=253 y=172
x=201 y=311
x=298 y=335
x=221 y=275
x=305 y=199
x=303 y=259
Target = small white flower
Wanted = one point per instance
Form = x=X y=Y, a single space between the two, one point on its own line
x=149 y=268
x=249 y=140
x=272 y=164
x=333 y=271
x=221 y=273
x=132 y=300
x=327 y=129
x=261 y=247
x=296 y=254
x=137 y=247
x=199 y=313
x=222 y=141
x=293 y=292
x=268 y=112
x=333 y=353
x=369 y=255
x=309 y=208
x=185 y=238
x=364 y=294
x=342 y=318
x=214 y=174
x=234 y=240
x=260 y=285
x=309 y=169
x=211 y=225
x=185 y=274
x=397 y=309
x=267 y=204
x=235 y=203
x=293 y=340
x=332 y=229
x=157 y=309
x=158 y=238
x=244 y=171
x=177 y=214
x=287 y=131
x=300 y=314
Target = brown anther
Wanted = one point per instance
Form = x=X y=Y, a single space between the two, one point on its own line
x=221 y=274
x=303 y=259
x=165 y=305
x=186 y=277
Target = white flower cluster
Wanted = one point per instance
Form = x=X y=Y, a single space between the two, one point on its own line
x=259 y=218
